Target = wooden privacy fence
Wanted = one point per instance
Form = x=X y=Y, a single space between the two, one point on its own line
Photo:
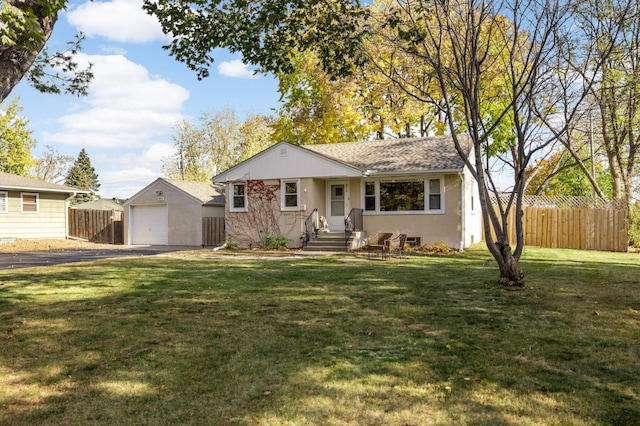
x=97 y=226
x=574 y=228
x=212 y=231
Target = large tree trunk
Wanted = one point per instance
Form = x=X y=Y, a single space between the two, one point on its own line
x=508 y=262
x=510 y=274
x=15 y=61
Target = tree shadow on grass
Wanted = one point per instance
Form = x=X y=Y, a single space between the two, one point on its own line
x=313 y=341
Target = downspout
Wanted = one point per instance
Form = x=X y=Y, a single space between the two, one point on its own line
x=463 y=211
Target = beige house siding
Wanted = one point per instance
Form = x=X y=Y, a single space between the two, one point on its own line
x=313 y=191
x=429 y=227
x=50 y=222
x=445 y=227
x=290 y=223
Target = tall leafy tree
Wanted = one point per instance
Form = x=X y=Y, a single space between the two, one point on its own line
x=320 y=108
x=612 y=115
x=256 y=135
x=317 y=108
x=558 y=174
x=219 y=141
x=617 y=98
x=82 y=175
x=25 y=27
x=51 y=165
x=500 y=61
x=16 y=140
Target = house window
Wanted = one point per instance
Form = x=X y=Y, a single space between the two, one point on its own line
x=396 y=196
x=238 y=197
x=290 y=195
x=370 y=196
x=4 y=202
x=434 y=194
x=29 y=203
x=404 y=195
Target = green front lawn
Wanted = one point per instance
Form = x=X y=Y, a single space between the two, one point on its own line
x=323 y=341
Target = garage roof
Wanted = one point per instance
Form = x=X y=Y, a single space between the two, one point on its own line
x=210 y=195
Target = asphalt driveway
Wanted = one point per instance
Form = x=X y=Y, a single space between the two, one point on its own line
x=30 y=259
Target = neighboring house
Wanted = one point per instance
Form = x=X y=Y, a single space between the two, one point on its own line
x=171 y=212
x=418 y=186
x=100 y=204
x=33 y=208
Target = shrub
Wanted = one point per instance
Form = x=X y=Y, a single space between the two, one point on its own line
x=230 y=244
x=272 y=242
x=437 y=248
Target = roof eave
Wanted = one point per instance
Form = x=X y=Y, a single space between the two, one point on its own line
x=373 y=173
x=40 y=189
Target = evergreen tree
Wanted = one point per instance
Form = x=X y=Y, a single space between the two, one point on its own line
x=82 y=176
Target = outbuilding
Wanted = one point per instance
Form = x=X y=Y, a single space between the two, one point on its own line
x=173 y=212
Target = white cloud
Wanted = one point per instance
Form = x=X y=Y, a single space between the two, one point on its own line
x=125 y=183
x=131 y=171
x=119 y=20
x=235 y=69
x=126 y=107
x=150 y=157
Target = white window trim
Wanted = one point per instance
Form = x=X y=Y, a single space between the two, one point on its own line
x=426 y=210
x=376 y=196
x=283 y=194
x=232 y=197
x=5 y=210
x=427 y=194
x=22 y=194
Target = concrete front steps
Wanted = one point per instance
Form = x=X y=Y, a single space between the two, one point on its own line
x=327 y=241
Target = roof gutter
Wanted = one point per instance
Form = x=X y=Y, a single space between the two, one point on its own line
x=41 y=189
x=369 y=173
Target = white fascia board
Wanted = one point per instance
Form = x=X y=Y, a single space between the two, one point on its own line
x=39 y=189
x=287 y=161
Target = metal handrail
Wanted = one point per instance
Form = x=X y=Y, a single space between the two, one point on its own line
x=352 y=223
x=310 y=227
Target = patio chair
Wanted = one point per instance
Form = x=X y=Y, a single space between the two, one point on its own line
x=378 y=244
x=396 y=245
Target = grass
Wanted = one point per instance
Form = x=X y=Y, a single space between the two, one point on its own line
x=324 y=341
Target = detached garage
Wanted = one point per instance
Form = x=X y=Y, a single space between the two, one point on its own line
x=172 y=212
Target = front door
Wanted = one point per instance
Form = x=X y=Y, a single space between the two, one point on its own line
x=337 y=205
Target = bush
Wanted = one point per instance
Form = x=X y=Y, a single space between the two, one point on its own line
x=230 y=244
x=273 y=242
x=436 y=248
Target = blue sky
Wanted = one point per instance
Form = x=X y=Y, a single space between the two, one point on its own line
x=137 y=96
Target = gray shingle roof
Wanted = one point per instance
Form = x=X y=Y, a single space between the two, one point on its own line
x=10 y=181
x=207 y=193
x=397 y=155
x=100 y=204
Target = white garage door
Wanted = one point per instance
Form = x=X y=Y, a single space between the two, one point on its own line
x=149 y=225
